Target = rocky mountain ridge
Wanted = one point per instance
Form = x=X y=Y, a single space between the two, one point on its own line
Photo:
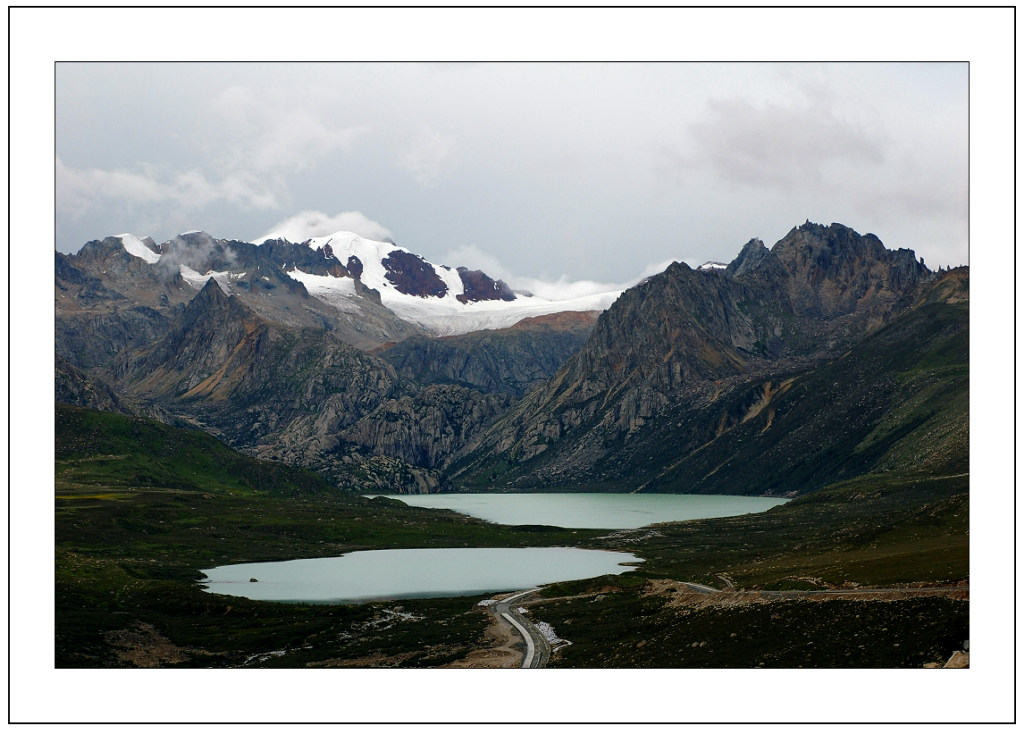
x=682 y=344
x=644 y=396
x=365 y=292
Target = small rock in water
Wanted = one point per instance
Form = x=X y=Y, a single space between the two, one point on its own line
x=253 y=579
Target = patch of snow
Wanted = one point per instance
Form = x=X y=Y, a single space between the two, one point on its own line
x=338 y=292
x=137 y=248
x=712 y=266
x=260 y=657
x=194 y=279
x=549 y=634
x=197 y=280
x=446 y=317
x=371 y=253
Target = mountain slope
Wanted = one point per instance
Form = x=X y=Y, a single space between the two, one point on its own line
x=508 y=361
x=250 y=380
x=303 y=397
x=139 y=273
x=110 y=450
x=897 y=402
x=681 y=374
x=682 y=357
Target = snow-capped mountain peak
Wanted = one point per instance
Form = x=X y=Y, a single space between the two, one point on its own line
x=441 y=299
x=353 y=274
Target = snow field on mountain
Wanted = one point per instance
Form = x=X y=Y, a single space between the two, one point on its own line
x=371 y=254
x=337 y=292
x=447 y=316
x=137 y=248
x=444 y=315
x=197 y=280
x=446 y=319
x=441 y=315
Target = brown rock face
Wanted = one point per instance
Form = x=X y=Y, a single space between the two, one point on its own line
x=478 y=286
x=508 y=361
x=412 y=275
x=833 y=271
x=426 y=429
x=249 y=379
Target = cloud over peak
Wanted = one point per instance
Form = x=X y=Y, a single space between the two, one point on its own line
x=313 y=223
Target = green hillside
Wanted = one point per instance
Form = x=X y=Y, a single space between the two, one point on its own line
x=100 y=455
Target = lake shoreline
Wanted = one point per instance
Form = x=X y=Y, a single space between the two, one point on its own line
x=384 y=575
x=590 y=510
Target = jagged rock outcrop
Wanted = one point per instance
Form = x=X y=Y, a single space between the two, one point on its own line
x=833 y=271
x=750 y=256
x=94 y=322
x=94 y=340
x=303 y=397
x=412 y=275
x=74 y=387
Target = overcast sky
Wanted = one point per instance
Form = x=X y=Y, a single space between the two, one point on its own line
x=580 y=171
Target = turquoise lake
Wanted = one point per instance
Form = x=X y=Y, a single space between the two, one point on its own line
x=592 y=511
x=393 y=574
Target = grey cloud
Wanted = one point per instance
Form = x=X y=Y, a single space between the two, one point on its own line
x=274 y=132
x=155 y=191
x=776 y=144
x=429 y=157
